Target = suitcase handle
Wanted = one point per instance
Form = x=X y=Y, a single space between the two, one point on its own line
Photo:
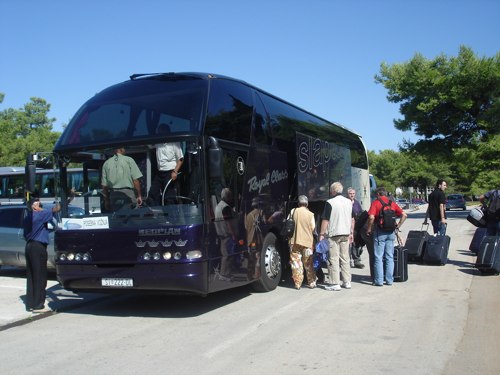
x=422 y=227
x=398 y=237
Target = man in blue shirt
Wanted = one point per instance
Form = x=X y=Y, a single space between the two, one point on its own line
x=36 y=235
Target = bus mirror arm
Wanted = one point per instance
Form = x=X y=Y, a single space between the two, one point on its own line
x=214 y=158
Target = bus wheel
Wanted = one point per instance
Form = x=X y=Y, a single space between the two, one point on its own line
x=270 y=265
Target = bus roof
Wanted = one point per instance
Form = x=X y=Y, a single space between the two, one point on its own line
x=208 y=76
x=9 y=170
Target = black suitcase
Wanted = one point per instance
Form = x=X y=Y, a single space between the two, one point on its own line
x=488 y=256
x=476 y=239
x=400 y=262
x=415 y=243
x=436 y=250
x=400 y=273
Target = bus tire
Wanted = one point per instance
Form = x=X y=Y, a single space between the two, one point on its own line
x=270 y=266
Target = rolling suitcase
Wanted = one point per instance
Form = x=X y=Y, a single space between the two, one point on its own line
x=415 y=243
x=476 y=239
x=400 y=262
x=488 y=256
x=436 y=250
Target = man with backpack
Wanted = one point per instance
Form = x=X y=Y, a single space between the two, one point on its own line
x=382 y=224
x=492 y=201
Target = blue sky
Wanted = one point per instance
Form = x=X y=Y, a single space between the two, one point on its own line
x=321 y=55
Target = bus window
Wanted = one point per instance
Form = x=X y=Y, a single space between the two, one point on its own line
x=229 y=111
x=261 y=129
x=15 y=186
x=46 y=182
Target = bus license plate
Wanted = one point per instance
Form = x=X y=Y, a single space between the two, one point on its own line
x=120 y=283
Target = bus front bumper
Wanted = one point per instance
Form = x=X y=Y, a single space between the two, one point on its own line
x=190 y=278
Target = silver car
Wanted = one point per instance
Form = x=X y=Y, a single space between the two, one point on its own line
x=12 y=242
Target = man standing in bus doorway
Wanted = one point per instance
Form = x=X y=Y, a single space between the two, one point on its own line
x=337 y=225
x=301 y=244
x=169 y=157
x=436 y=210
x=253 y=221
x=36 y=235
x=383 y=240
x=355 y=250
x=225 y=228
x=120 y=181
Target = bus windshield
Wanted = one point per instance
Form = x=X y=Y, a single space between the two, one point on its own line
x=181 y=205
x=131 y=111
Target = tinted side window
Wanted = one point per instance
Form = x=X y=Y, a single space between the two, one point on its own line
x=230 y=110
x=11 y=217
x=15 y=186
x=261 y=131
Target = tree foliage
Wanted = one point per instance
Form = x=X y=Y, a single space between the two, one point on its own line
x=447 y=101
x=26 y=130
x=454 y=105
x=394 y=169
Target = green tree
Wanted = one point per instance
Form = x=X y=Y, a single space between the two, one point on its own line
x=26 y=130
x=394 y=169
x=454 y=105
x=447 y=101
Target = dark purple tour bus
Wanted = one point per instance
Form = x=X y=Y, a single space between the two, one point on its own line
x=240 y=143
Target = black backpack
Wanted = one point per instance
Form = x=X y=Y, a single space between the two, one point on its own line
x=386 y=217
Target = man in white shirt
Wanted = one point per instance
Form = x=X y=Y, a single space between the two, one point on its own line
x=169 y=157
x=338 y=225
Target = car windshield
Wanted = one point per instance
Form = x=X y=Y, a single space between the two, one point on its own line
x=454 y=197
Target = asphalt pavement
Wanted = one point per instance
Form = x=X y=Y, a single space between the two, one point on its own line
x=13 y=291
x=482 y=328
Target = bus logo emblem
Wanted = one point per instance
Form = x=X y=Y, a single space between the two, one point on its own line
x=240 y=165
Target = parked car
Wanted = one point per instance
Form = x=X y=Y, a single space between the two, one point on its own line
x=455 y=201
x=403 y=203
x=12 y=243
x=418 y=201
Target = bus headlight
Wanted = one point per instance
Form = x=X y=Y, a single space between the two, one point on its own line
x=193 y=254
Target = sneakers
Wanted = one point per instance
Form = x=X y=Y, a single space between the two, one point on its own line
x=346 y=285
x=42 y=310
x=332 y=287
x=312 y=285
x=359 y=265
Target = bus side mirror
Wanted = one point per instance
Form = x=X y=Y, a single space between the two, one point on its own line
x=214 y=158
x=30 y=172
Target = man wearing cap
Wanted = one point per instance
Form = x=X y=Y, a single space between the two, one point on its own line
x=36 y=235
x=301 y=244
x=338 y=225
